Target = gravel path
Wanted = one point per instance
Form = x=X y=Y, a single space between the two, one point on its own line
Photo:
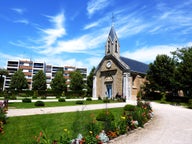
x=49 y=110
x=171 y=125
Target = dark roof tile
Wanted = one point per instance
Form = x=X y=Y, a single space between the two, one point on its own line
x=135 y=66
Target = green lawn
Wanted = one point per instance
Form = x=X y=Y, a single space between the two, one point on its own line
x=52 y=104
x=22 y=130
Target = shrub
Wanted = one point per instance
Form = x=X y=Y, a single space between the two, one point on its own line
x=79 y=102
x=26 y=100
x=43 y=97
x=61 y=100
x=34 y=97
x=107 y=118
x=39 y=103
x=190 y=104
x=3 y=117
x=13 y=97
x=106 y=100
x=89 y=99
x=105 y=115
x=35 y=93
x=129 y=107
x=141 y=115
x=23 y=95
x=177 y=99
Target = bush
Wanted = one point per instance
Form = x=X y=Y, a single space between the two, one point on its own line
x=79 y=102
x=106 y=100
x=89 y=99
x=39 y=103
x=105 y=116
x=26 y=100
x=177 y=99
x=3 y=116
x=35 y=94
x=153 y=96
x=34 y=97
x=129 y=107
x=190 y=104
x=43 y=97
x=23 y=95
x=61 y=100
x=141 y=115
x=13 y=97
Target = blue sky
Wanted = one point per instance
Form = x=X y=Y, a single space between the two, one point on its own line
x=74 y=32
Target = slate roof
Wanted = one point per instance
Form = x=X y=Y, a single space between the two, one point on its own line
x=112 y=33
x=135 y=66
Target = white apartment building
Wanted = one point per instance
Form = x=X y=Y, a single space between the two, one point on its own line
x=30 y=68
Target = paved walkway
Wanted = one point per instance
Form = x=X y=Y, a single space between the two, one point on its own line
x=171 y=124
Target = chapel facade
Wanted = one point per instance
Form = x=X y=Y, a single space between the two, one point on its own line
x=116 y=75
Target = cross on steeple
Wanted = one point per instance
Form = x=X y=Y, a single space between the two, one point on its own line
x=112 y=19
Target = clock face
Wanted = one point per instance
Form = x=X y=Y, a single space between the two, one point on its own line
x=108 y=65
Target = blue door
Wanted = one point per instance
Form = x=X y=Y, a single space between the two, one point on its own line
x=109 y=90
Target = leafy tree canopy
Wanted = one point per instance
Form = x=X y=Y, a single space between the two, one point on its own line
x=58 y=84
x=39 y=81
x=18 y=81
x=184 y=69
x=161 y=74
x=76 y=83
x=3 y=72
x=90 y=81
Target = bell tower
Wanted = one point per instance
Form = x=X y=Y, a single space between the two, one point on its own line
x=112 y=46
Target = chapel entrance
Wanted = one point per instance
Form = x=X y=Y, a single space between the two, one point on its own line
x=109 y=90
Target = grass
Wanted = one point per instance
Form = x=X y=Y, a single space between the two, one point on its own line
x=52 y=104
x=172 y=103
x=22 y=130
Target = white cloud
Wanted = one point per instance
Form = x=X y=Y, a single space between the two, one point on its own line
x=148 y=54
x=24 y=21
x=5 y=57
x=91 y=25
x=52 y=34
x=18 y=10
x=96 y=5
x=77 y=45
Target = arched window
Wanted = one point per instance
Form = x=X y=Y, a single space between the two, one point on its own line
x=116 y=47
x=108 y=48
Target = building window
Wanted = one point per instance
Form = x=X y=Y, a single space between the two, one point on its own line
x=116 y=47
x=108 y=48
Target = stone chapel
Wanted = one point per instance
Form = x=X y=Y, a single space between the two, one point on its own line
x=117 y=75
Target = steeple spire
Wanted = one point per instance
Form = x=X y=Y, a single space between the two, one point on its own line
x=112 y=46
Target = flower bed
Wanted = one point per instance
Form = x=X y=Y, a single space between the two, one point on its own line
x=103 y=127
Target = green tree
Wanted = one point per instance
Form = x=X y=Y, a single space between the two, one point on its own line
x=184 y=69
x=76 y=83
x=39 y=81
x=18 y=81
x=3 y=72
x=58 y=84
x=90 y=82
x=161 y=74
